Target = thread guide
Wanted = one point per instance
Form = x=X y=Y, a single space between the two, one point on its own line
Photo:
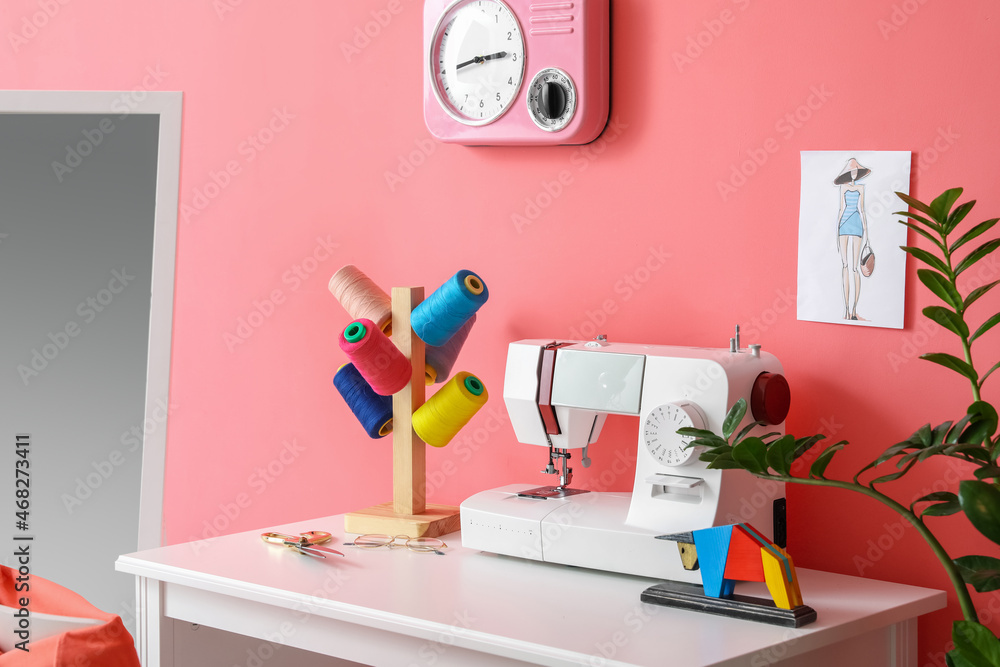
x=408 y=513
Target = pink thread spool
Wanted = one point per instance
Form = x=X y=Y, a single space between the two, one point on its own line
x=361 y=297
x=379 y=361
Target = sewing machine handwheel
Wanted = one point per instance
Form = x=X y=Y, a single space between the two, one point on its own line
x=770 y=398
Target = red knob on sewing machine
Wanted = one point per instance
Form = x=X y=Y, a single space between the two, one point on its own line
x=770 y=398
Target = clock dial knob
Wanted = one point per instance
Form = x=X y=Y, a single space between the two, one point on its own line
x=659 y=432
x=476 y=60
x=552 y=99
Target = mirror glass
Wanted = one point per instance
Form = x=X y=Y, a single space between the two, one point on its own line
x=78 y=202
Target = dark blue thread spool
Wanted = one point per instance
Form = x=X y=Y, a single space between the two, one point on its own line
x=373 y=411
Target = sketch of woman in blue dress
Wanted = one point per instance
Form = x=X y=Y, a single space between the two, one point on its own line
x=852 y=231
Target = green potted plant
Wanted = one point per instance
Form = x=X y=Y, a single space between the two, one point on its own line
x=970 y=439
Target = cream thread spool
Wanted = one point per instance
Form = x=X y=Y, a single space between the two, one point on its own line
x=361 y=297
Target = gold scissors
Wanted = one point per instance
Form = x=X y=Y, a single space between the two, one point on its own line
x=305 y=543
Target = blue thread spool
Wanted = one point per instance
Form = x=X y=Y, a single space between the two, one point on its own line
x=373 y=411
x=443 y=313
x=440 y=360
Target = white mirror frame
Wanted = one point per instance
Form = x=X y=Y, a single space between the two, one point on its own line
x=168 y=106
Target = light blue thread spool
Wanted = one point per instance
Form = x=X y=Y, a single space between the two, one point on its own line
x=443 y=313
x=373 y=411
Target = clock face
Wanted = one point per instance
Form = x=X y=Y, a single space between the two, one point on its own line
x=659 y=432
x=476 y=60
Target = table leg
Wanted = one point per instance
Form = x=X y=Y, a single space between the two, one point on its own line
x=155 y=631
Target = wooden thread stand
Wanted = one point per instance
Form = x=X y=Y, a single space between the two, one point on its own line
x=408 y=513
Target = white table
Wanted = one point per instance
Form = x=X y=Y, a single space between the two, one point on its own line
x=398 y=608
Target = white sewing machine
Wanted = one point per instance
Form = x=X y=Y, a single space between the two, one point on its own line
x=558 y=395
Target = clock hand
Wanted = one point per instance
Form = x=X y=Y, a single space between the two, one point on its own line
x=481 y=59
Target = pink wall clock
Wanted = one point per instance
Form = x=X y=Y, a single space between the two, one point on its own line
x=516 y=72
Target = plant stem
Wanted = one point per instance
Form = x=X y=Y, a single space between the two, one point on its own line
x=961 y=588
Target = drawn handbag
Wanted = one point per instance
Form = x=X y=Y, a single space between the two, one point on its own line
x=867 y=260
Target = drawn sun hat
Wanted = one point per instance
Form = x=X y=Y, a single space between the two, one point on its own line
x=845 y=175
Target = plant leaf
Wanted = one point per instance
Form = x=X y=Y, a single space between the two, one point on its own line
x=978 y=292
x=745 y=431
x=734 y=417
x=940 y=432
x=946 y=504
x=751 y=454
x=913 y=202
x=972 y=233
x=958 y=215
x=987 y=472
x=941 y=206
x=985 y=326
x=927 y=258
x=981 y=504
x=970 y=452
x=941 y=509
x=956 y=431
x=982 y=572
x=976 y=644
x=779 y=454
x=982 y=424
x=725 y=463
x=892 y=476
x=923 y=232
x=818 y=468
x=952 y=362
x=942 y=287
x=936 y=496
x=976 y=255
x=895 y=450
x=988 y=373
x=947 y=318
x=803 y=445
x=867 y=467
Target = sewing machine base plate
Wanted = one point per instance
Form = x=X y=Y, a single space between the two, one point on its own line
x=544 y=492
x=692 y=597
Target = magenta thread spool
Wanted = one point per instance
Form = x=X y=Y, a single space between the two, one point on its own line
x=383 y=366
x=372 y=410
x=440 y=360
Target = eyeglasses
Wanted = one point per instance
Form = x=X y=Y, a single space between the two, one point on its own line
x=418 y=544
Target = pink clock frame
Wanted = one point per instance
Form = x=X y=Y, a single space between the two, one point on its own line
x=572 y=35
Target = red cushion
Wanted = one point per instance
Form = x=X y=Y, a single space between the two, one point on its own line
x=106 y=645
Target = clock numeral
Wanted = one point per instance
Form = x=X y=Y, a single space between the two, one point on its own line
x=481 y=104
x=498 y=97
x=510 y=81
x=508 y=36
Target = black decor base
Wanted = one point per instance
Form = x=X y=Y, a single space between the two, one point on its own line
x=692 y=597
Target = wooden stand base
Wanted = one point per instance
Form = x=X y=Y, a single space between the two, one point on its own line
x=691 y=596
x=435 y=521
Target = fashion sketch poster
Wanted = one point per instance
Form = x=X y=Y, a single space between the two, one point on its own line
x=851 y=268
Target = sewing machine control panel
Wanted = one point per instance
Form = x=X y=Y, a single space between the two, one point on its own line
x=659 y=432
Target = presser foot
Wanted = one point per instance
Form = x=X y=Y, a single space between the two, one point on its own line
x=550 y=492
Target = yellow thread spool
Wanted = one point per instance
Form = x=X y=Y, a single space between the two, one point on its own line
x=440 y=419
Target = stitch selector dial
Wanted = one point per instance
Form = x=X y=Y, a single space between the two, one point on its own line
x=659 y=432
x=552 y=99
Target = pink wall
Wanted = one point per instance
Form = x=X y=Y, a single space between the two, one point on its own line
x=344 y=172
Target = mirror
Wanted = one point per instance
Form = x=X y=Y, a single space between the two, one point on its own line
x=88 y=225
